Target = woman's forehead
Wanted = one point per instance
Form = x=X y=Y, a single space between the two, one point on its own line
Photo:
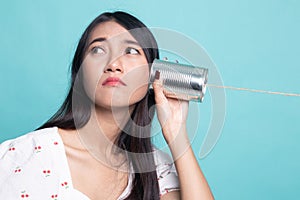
x=110 y=31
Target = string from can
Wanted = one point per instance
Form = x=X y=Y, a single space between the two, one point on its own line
x=253 y=90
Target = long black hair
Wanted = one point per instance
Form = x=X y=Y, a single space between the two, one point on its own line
x=72 y=115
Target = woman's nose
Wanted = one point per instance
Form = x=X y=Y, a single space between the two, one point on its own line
x=114 y=66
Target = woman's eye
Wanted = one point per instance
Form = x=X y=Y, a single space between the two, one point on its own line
x=97 y=50
x=131 y=50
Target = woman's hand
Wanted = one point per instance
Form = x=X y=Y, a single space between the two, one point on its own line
x=171 y=113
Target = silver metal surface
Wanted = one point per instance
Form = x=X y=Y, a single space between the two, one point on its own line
x=181 y=81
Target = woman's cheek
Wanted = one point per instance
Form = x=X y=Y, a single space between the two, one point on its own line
x=91 y=77
x=138 y=93
x=139 y=87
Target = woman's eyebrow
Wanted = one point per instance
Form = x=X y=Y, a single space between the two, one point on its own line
x=127 y=41
x=131 y=42
x=100 y=39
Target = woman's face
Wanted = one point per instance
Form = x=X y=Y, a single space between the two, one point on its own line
x=115 y=68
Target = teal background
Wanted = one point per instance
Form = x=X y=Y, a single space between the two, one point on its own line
x=255 y=44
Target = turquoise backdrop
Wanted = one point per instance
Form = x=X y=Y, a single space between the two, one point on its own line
x=254 y=44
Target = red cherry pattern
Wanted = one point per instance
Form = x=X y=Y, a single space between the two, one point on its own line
x=65 y=184
x=55 y=143
x=17 y=170
x=24 y=195
x=47 y=172
x=12 y=149
x=166 y=191
x=54 y=196
x=37 y=149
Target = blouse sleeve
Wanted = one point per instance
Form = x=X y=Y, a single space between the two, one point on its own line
x=166 y=173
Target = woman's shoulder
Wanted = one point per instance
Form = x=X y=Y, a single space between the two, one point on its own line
x=33 y=163
x=29 y=139
x=32 y=134
x=20 y=150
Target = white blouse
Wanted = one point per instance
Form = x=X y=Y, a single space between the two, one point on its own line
x=34 y=166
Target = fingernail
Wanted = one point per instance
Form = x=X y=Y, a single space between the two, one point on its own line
x=157 y=75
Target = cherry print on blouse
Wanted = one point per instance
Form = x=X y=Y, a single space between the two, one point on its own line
x=167 y=190
x=164 y=192
x=164 y=174
x=54 y=196
x=55 y=143
x=12 y=149
x=37 y=149
x=46 y=172
x=65 y=185
x=17 y=170
x=24 y=195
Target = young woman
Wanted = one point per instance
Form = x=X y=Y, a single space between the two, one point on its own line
x=98 y=144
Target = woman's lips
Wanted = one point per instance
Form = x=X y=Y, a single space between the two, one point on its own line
x=113 y=81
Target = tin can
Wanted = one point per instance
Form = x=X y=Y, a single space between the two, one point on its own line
x=181 y=81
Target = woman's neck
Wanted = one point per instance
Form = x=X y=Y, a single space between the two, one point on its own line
x=98 y=136
x=110 y=121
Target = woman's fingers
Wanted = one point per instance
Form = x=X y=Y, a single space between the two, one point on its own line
x=158 y=89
